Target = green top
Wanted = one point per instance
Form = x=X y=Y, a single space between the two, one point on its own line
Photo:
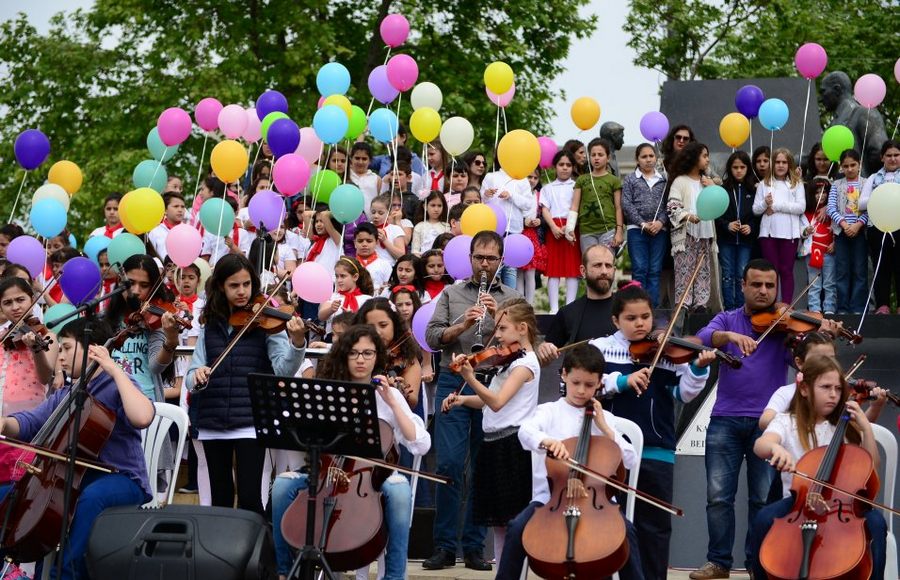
x=597 y=210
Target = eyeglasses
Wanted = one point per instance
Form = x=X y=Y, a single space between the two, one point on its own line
x=364 y=354
x=682 y=137
x=489 y=259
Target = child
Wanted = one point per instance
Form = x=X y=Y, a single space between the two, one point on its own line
x=534 y=231
x=405 y=273
x=459 y=180
x=761 y=160
x=174 y=215
x=326 y=240
x=820 y=401
x=337 y=161
x=365 y=241
x=8 y=233
x=471 y=195
x=544 y=429
x=883 y=246
x=403 y=353
x=563 y=254
x=514 y=197
x=437 y=166
x=434 y=273
x=238 y=241
x=503 y=469
x=440 y=242
x=174 y=183
x=391 y=238
x=113 y=225
x=737 y=228
x=430 y=222
x=353 y=286
x=360 y=175
x=649 y=400
x=597 y=202
x=848 y=222
x=455 y=219
x=819 y=240
x=55 y=262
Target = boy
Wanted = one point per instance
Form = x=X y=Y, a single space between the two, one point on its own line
x=459 y=180
x=401 y=191
x=455 y=218
x=365 y=241
x=175 y=209
x=849 y=223
x=113 y=225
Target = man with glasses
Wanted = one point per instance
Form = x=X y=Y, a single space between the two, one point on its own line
x=458 y=434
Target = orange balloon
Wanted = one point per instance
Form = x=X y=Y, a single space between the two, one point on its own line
x=585 y=113
x=519 y=153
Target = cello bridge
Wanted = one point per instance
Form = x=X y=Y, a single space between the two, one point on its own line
x=816 y=503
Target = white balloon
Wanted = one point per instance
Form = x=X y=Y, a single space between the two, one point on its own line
x=457 y=135
x=51 y=191
x=426 y=95
x=884 y=207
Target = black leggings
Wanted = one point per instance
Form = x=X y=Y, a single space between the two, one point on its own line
x=230 y=460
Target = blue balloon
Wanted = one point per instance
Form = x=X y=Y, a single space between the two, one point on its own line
x=330 y=124
x=383 y=124
x=31 y=148
x=150 y=173
x=48 y=217
x=157 y=148
x=773 y=114
x=94 y=246
x=283 y=137
x=333 y=79
x=271 y=102
x=748 y=100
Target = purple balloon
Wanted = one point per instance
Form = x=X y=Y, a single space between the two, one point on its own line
x=270 y=102
x=517 y=250
x=29 y=252
x=420 y=323
x=456 y=257
x=748 y=100
x=654 y=126
x=501 y=216
x=80 y=280
x=283 y=137
x=267 y=207
x=32 y=148
x=380 y=87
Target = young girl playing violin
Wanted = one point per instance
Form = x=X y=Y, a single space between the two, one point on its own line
x=649 y=400
x=356 y=357
x=821 y=398
x=222 y=408
x=503 y=468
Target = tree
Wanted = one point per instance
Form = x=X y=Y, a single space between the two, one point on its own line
x=97 y=81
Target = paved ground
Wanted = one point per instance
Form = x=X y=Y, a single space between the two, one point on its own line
x=415 y=572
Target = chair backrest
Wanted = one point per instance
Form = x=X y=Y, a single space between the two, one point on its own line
x=888 y=444
x=633 y=433
x=155 y=436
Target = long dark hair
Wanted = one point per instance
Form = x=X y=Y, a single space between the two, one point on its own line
x=405 y=344
x=571 y=147
x=685 y=161
x=667 y=147
x=334 y=365
x=412 y=259
x=118 y=304
x=757 y=153
x=729 y=182
x=217 y=305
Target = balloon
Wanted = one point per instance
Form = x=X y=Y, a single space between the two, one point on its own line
x=548 y=152
x=271 y=102
x=174 y=126
x=498 y=77
x=519 y=153
x=157 y=148
x=426 y=95
x=734 y=129
x=517 y=250
x=478 y=217
x=141 y=210
x=654 y=126
x=773 y=114
x=333 y=79
x=217 y=216
x=72 y=241
x=331 y=124
x=183 y=244
x=290 y=174
x=810 y=60
x=312 y=282
x=456 y=256
x=123 y=247
x=835 y=141
x=897 y=70
x=712 y=202
x=206 y=113
x=48 y=217
x=31 y=148
x=95 y=245
x=267 y=122
x=748 y=99
x=383 y=124
x=585 y=113
x=501 y=100
x=150 y=173
x=394 y=29
x=870 y=90
x=357 y=123
x=67 y=175
x=499 y=214
x=380 y=87
x=28 y=252
x=310 y=145
x=233 y=121
x=346 y=203
x=457 y=135
x=80 y=280
x=425 y=124
x=283 y=137
x=884 y=207
x=322 y=183
x=254 y=127
x=229 y=160
x=402 y=72
x=420 y=323
x=267 y=207
x=340 y=101
x=205 y=271
x=51 y=191
x=58 y=311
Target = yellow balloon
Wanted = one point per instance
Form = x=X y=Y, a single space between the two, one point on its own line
x=734 y=129
x=498 y=77
x=519 y=153
x=229 y=160
x=342 y=102
x=585 y=113
x=478 y=217
x=66 y=174
x=141 y=210
x=425 y=124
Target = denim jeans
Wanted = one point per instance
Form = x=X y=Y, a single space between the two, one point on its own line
x=457 y=438
x=508 y=276
x=852 y=273
x=397 y=514
x=729 y=440
x=647 y=254
x=824 y=284
x=732 y=260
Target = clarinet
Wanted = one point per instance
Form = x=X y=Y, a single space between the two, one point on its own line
x=478 y=345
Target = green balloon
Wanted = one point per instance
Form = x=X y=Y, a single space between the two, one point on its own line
x=835 y=141
x=58 y=311
x=712 y=202
x=357 y=123
x=150 y=173
x=346 y=203
x=123 y=247
x=157 y=148
x=217 y=216
x=322 y=183
x=267 y=122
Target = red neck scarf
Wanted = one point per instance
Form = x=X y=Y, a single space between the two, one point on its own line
x=317 y=247
x=434 y=287
x=111 y=231
x=366 y=261
x=188 y=301
x=436 y=180
x=168 y=224
x=350 y=302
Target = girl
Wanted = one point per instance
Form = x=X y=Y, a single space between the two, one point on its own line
x=737 y=228
x=502 y=485
x=477 y=164
x=405 y=273
x=403 y=353
x=337 y=161
x=819 y=246
x=391 y=238
x=761 y=160
x=817 y=163
x=848 y=222
x=563 y=255
x=222 y=406
x=883 y=246
x=821 y=398
x=360 y=175
x=431 y=215
x=407 y=302
x=433 y=272
x=353 y=286
x=211 y=187
x=597 y=202
x=326 y=240
x=471 y=195
x=781 y=201
x=356 y=357
x=534 y=231
x=113 y=226
x=692 y=239
x=259 y=184
x=8 y=233
x=645 y=217
x=435 y=178
x=575 y=149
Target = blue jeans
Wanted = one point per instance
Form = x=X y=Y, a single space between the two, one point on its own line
x=824 y=284
x=875 y=523
x=732 y=260
x=852 y=271
x=647 y=254
x=457 y=438
x=729 y=440
x=397 y=514
x=508 y=276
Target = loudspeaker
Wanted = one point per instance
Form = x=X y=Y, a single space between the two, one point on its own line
x=181 y=542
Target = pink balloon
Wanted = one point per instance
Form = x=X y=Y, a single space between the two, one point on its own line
x=501 y=100
x=870 y=90
x=394 y=30
x=183 y=244
x=310 y=145
x=233 y=121
x=321 y=102
x=548 y=152
x=312 y=282
x=291 y=173
x=897 y=70
x=174 y=126
x=206 y=113
x=402 y=72
x=811 y=59
x=252 y=132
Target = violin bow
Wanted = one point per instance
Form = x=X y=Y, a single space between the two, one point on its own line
x=855 y=496
x=18 y=324
x=563 y=349
x=786 y=310
x=43 y=451
x=859 y=362
x=423 y=474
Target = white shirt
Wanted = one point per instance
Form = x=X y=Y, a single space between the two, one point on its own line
x=418 y=446
x=299 y=244
x=329 y=256
x=522 y=404
x=519 y=203
x=557 y=197
x=101 y=231
x=214 y=246
x=157 y=237
x=380 y=271
x=780 y=401
x=393 y=232
x=868 y=187
x=787 y=202
x=368 y=185
x=785 y=426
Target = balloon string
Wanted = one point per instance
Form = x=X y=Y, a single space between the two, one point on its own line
x=219 y=227
x=315 y=195
x=346 y=161
x=200 y=164
x=862 y=150
x=496 y=130
x=16 y=202
x=862 y=318
x=280 y=219
x=158 y=165
x=505 y=128
x=255 y=158
x=805 y=112
x=772 y=146
x=896 y=125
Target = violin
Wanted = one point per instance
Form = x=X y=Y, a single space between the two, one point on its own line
x=677 y=350
x=43 y=337
x=863 y=389
x=786 y=319
x=152 y=311
x=495 y=356
x=271 y=319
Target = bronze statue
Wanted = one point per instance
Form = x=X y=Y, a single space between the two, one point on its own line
x=615 y=134
x=837 y=97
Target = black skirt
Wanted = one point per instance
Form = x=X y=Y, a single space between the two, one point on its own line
x=502 y=481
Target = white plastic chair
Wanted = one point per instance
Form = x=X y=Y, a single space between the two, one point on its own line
x=633 y=433
x=153 y=438
x=888 y=444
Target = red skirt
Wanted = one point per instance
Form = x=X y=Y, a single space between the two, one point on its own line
x=563 y=256
x=539 y=260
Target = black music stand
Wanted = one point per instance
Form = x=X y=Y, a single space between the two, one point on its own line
x=315 y=416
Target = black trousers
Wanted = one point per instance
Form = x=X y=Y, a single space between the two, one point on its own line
x=240 y=460
x=653 y=525
x=889 y=270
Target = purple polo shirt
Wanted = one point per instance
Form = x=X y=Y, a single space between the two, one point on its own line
x=744 y=392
